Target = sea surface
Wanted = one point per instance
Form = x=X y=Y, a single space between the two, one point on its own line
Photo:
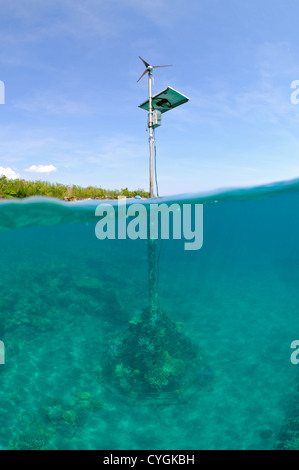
x=67 y=295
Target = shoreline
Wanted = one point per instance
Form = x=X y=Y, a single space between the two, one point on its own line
x=65 y=199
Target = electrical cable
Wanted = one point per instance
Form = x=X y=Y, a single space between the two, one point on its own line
x=155 y=162
x=157 y=191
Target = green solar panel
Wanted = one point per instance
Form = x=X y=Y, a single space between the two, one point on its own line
x=165 y=100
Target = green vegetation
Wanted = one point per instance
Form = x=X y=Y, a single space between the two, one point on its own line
x=20 y=189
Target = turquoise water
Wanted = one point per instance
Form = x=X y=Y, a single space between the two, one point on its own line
x=65 y=294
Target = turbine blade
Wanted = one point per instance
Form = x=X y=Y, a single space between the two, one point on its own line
x=159 y=66
x=142 y=75
x=145 y=63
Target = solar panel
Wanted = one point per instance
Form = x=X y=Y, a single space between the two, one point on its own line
x=165 y=100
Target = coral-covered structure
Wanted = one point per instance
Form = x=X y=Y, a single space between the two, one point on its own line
x=154 y=360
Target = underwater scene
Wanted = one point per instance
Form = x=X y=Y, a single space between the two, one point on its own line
x=90 y=364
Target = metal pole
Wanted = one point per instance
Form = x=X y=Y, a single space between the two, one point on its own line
x=152 y=243
x=150 y=126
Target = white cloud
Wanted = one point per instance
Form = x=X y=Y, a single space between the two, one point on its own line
x=41 y=168
x=9 y=173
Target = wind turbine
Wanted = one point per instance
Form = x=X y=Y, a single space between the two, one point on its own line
x=149 y=71
x=152 y=243
x=150 y=67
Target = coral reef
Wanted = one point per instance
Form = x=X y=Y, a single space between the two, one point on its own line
x=31 y=440
x=33 y=436
x=55 y=418
x=154 y=359
x=288 y=437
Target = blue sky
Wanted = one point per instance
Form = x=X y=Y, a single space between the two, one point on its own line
x=71 y=115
